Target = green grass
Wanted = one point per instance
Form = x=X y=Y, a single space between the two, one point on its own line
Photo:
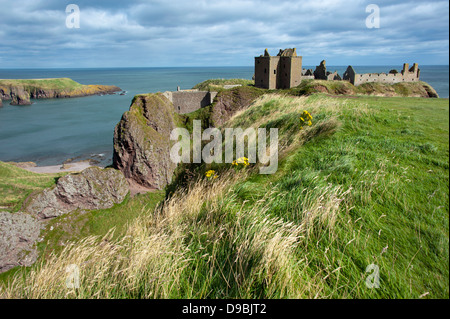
x=406 y=89
x=366 y=184
x=394 y=159
x=217 y=84
x=16 y=184
x=80 y=224
x=391 y=155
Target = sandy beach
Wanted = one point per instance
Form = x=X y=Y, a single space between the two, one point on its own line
x=72 y=167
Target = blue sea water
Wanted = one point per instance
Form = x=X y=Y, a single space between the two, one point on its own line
x=52 y=131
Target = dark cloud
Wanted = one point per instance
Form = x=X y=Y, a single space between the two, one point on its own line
x=220 y=32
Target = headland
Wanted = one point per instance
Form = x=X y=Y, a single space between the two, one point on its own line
x=20 y=92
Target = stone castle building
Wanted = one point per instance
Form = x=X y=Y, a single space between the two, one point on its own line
x=283 y=71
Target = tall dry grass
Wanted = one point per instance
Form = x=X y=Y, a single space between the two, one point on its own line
x=157 y=258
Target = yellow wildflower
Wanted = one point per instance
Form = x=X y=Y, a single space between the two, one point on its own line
x=211 y=173
x=305 y=118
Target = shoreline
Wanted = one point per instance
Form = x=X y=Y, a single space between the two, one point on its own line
x=54 y=169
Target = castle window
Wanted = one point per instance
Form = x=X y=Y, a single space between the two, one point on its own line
x=265 y=70
x=274 y=71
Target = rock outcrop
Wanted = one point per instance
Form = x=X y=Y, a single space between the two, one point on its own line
x=19 y=96
x=18 y=235
x=142 y=142
x=93 y=188
x=1 y=103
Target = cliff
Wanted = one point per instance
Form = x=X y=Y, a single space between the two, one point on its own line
x=21 y=91
x=142 y=142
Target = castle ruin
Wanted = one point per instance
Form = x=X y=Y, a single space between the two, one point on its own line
x=187 y=101
x=283 y=71
x=406 y=75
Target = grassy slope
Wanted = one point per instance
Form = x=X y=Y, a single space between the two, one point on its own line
x=367 y=183
x=392 y=154
x=16 y=184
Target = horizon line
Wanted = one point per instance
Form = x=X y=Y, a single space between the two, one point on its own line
x=212 y=66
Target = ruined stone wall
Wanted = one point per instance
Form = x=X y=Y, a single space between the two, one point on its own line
x=406 y=75
x=378 y=77
x=190 y=101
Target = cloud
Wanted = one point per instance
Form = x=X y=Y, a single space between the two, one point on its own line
x=220 y=32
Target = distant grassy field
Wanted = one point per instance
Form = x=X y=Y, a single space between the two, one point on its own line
x=365 y=186
x=46 y=84
x=217 y=84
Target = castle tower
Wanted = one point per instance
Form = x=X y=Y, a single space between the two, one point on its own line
x=278 y=72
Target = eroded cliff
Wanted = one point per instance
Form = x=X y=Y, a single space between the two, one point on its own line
x=142 y=142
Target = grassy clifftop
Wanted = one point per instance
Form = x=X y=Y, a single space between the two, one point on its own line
x=307 y=87
x=404 y=89
x=45 y=84
x=218 y=84
x=20 y=91
x=365 y=185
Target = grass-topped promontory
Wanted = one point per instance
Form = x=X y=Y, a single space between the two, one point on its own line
x=365 y=184
x=21 y=91
x=45 y=84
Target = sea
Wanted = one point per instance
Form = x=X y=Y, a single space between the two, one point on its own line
x=52 y=131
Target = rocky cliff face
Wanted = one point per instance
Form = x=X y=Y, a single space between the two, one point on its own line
x=142 y=142
x=16 y=94
x=93 y=188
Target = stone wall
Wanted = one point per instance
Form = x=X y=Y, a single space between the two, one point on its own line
x=190 y=100
x=406 y=75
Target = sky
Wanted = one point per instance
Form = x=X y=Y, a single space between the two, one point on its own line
x=175 y=33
